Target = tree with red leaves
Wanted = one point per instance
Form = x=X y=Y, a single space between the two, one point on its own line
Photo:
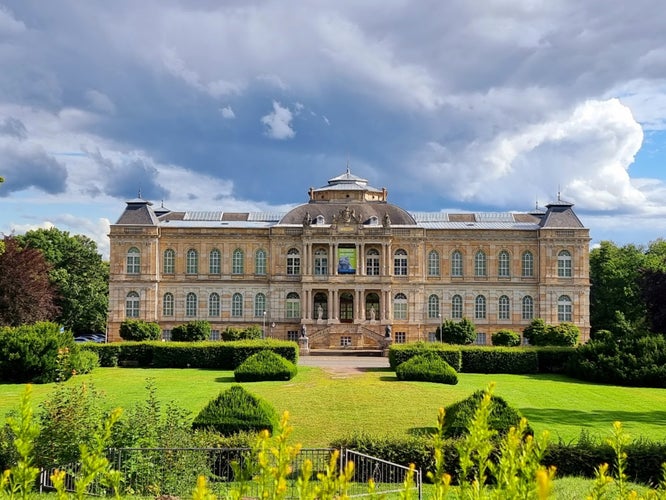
x=26 y=294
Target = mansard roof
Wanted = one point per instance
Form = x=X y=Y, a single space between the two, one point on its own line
x=138 y=212
x=560 y=214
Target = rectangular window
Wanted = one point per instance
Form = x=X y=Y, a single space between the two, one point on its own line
x=372 y=266
x=400 y=337
x=215 y=335
x=480 y=339
x=400 y=310
x=345 y=341
x=166 y=335
x=292 y=335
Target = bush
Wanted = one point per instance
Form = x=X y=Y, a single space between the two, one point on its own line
x=399 y=353
x=507 y=338
x=485 y=359
x=236 y=410
x=35 y=353
x=139 y=330
x=82 y=361
x=460 y=414
x=427 y=368
x=538 y=333
x=265 y=365
x=554 y=359
x=458 y=332
x=231 y=333
x=191 y=332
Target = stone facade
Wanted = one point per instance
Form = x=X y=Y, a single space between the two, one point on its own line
x=346 y=265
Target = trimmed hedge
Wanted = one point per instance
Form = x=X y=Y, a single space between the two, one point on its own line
x=236 y=410
x=427 y=368
x=399 y=353
x=265 y=365
x=459 y=415
x=215 y=355
x=505 y=337
x=486 y=359
x=482 y=359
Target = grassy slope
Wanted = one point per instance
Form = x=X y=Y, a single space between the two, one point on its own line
x=324 y=407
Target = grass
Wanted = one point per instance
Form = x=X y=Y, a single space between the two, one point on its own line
x=324 y=406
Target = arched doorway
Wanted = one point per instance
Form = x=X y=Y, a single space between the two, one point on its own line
x=372 y=312
x=346 y=307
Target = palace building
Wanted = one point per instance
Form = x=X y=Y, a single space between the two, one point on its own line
x=346 y=265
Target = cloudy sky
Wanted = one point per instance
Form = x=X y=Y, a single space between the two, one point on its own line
x=243 y=105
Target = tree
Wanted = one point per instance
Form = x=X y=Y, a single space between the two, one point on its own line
x=139 y=330
x=26 y=294
x=653 y=291
x=539 y=333
x=192 y=331
x=614 y=277
x=79 y=274
x=458 y=332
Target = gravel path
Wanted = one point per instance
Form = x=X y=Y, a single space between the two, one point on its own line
x=345 y=365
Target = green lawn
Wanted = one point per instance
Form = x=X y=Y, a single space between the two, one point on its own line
x=325 y=406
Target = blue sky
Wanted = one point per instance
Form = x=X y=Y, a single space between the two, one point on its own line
x=244 y=105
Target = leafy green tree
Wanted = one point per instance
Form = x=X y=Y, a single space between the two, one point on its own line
x=26 y=295
x=192 y=331
x=458 y=332
x=653 y=291
x=79 y=275
x=505 y=337
x=139 y=330
x=540 y=333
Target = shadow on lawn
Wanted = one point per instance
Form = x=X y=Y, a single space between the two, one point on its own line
x=591 y=418
x=225 y=380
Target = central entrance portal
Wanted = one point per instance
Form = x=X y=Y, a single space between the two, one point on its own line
x=346 y=308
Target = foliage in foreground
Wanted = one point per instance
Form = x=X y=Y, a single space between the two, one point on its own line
x=427 y=368
x=139 y=330
x=192 y=331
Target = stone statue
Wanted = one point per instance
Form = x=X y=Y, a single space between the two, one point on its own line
x=387 y=220
x=303 y=331
x=387 y=331
x=372 y=313
x=320 y=312
x=307 y=219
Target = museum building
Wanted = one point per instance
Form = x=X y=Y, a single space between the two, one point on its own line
x=347 y=267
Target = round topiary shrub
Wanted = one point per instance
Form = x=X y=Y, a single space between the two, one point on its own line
x=505 y=337
x=427 y=368
x=139 y=330
x=236 y=410
x=193 y=331
x=265 y=365
x=459 y=415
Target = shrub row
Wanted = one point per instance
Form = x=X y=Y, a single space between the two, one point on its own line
x=644 y=458
x=484 y=359
x=217 y=355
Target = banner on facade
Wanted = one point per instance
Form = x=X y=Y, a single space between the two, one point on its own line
x=346 y=260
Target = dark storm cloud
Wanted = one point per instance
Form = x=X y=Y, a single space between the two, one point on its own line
x=13 y=127
x=27 y=168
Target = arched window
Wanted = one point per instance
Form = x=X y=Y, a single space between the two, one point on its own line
x=504 y=264
x=564 y=308
x=400 y=263
x=132 y=305
x=133 y=261
x=456 y=263
x=528 y=308
x=372 y=306
x=293 y=305
x=564 y=264
x=237 y=305
x=214 y=305
x=214 y=261
x=480 y=264
x=167 y=304
x=293 y=262
x=400 y=306
x=528 y=264
x=191 y=305
x=433 y=263
x=169 y=264
x=259 y=305
x=433 y=306
x=456 y=307
x=192 y=262
x=480 y=307
x=237 y=262
x=504 y=311
x=319 y=220
x=372 y=262
x=320 y=262
x=260 y=262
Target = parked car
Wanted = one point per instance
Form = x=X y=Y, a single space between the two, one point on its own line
x=90 y=337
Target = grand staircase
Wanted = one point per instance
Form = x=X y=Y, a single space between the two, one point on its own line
x=347 y=339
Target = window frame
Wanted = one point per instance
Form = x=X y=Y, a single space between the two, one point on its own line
x=504 y=308
x=457 y=268
x=192 y=262
x=260 y=259
x=215 y=262
x=191 y=305
x=320 y=262
x=238 y=262
x=133 y=261
x=504 y=264
x=132 y=305
x=457 y=307
x=564 y=264
x=400 y=306
x=237 y=305
x=527 y=308
x=480 y=264
x=259 y=305
x=372 y=262
x=400 y=262
x=169 y=261
x=293 y=306
x=480 y=307
x=214 y=305
x=527 y=261
x=434 y=311
x=293 y=262
x=168 y=304
x=564 y=309
x=433 y=263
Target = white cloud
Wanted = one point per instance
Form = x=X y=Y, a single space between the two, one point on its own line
x=9 y=25
x=278 y=123
x=101 y=102
x=228 y=113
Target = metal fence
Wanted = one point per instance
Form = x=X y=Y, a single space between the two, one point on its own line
x=174 y=471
